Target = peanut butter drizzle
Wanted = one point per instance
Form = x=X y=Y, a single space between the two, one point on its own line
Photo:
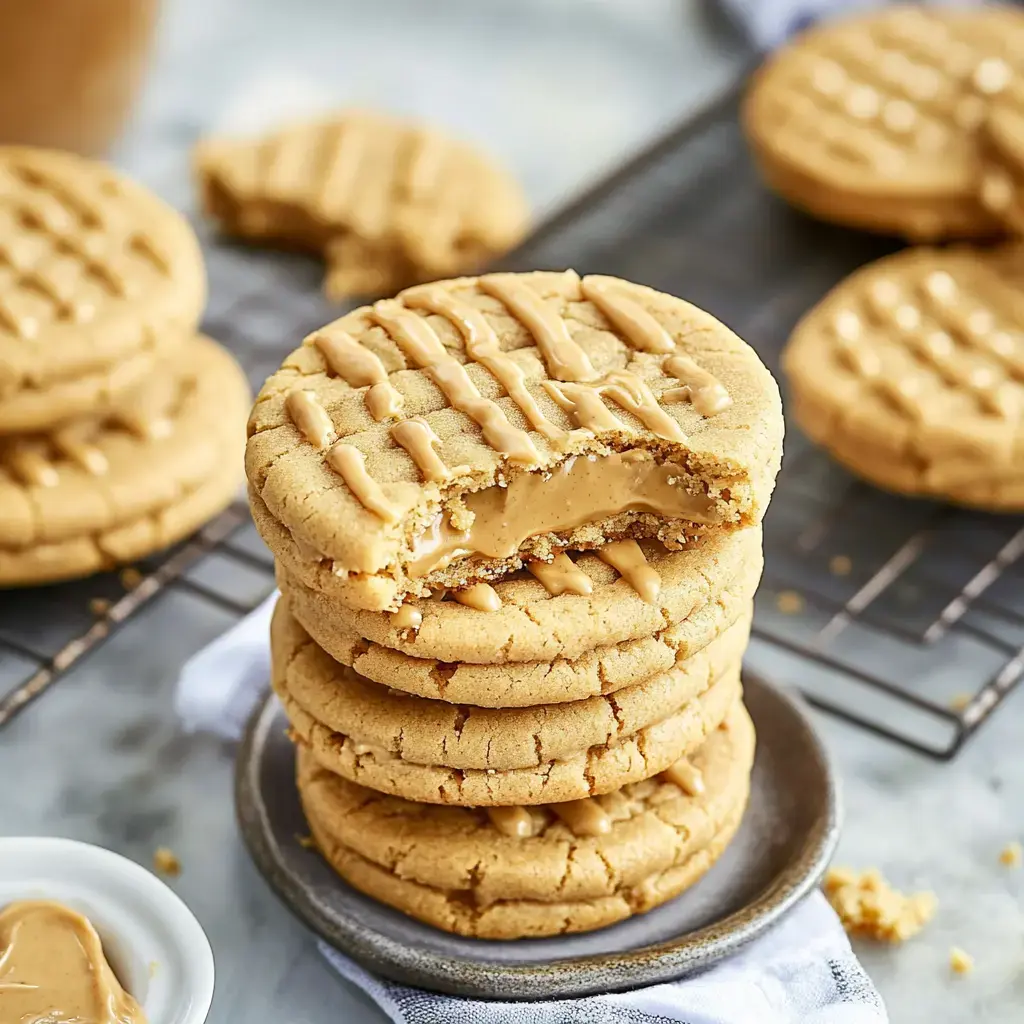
x=407 y=617
x=417 y=339
x=561 y=576
x=418 y=438
x=53 y=968
x=310 y=417
x=350 y=464
x=703 y=390
x=684 y=775
x=626 y=558
x=481 y=596
x=86 y=456
x=641 y=330
x=584 y=402
x=586 y=406
x=482 y=345
x=516 y=822
x=584 y=817
x=563 y=357
x=360 y=368
x=31 y=466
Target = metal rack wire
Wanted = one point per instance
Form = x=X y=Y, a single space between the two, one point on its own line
x=902 y=616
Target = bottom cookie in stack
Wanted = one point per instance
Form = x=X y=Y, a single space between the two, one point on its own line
x=100 y=492
x=548 y=869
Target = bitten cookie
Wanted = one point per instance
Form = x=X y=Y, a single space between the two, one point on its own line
x=93 y=494
x=388 y=203
x=911 y=372
x=874 y=121
x=99 y=280
x=442 y=438
x=512 y=872
x=443 y=734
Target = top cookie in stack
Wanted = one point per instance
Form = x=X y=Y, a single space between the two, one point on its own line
x=445 y=437
x=119 y=426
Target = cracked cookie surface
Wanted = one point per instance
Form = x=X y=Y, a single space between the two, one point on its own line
x=539 y=870
x=92 y=494
x=435 y=732
x=443 y=437
x=99 y=281
x=599 y=769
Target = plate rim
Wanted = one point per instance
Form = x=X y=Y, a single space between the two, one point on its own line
x=571 y=977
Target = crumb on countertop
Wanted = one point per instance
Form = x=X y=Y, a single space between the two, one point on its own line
x=869 y=907
x=166 y=861
x=840 y=565
x=789 y=602
x=960 y=962
x=959 y=701
x=306 y=842
x=130 y=577
x=99 y=605
x=1011 y=855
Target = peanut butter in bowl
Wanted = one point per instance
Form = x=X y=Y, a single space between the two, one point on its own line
x=53 y=968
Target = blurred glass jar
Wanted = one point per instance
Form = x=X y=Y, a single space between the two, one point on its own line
x=70 y=69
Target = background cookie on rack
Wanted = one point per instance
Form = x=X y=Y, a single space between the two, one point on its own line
x=911 y=373
x=387 y=202
x=99 y=282
x=874 y=121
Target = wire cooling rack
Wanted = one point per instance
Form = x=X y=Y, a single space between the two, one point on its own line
x=905 y=617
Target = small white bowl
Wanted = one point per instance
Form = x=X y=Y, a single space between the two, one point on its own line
x=157 y=948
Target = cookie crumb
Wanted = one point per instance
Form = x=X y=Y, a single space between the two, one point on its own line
x=869 y=907
x=1011 y=855
x=789 y=602
x=307 y=842
x=166 y=862
x=99 y=605
x=130 y=578
x=840 y=565
x=960 y=962
x=959 y=701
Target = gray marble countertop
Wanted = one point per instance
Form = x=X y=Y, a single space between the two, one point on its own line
x=560 y=91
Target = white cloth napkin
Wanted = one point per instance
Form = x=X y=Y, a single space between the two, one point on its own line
x=802 y=972
x=770 y=22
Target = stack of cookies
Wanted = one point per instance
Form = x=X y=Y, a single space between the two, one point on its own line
x=119 y=425
x=909 y=121
x=516 y=521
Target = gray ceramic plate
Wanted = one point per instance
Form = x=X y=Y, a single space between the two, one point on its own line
x=778 y=855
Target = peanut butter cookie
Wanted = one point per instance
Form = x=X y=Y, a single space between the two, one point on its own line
x=388 y=203
x=511 y=872
x=1002 y=178
x=435 y=732
x=874 y=121
x=531 y=623
x=911 y=372
x=443 y=438
x=603 y=670
x=590 y=772
x=95 y=493
x=99 y=280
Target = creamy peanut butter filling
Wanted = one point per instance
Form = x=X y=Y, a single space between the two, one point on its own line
x=581 y=490
x=53 y=968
